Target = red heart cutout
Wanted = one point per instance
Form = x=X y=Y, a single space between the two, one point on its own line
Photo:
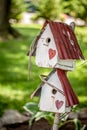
x=52 y=53
x=59 y=104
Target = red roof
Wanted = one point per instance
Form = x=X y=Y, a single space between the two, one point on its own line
x=71 y=98
x=65 y=40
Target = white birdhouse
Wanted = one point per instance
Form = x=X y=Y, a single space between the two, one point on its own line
x=56 y=46
x=51 y=99
x=53 y=93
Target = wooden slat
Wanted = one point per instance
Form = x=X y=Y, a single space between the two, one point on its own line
x=65 y=49
x=70 y=51
x=78 y=50
x=56 y=39
x=62 y=44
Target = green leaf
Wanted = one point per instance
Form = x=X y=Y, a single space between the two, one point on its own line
x=31 y=107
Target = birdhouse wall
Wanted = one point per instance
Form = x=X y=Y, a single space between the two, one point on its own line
x=51 y=99
x=47 y=52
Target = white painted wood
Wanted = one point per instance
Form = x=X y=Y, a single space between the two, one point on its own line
x=49 y=101
x=42 y=51
x=47 y=54
x=66 y=64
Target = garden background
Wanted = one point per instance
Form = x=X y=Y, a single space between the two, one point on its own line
x=15 y=88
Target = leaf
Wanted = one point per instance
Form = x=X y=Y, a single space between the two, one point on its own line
x=31 y=107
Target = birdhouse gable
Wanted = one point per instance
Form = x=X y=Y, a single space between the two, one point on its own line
x=57 y=81
x=52 y=96
x=50 y=81
x=46 y=51
x=56 y=46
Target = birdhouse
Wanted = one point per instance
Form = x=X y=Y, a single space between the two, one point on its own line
x=56 y=46
x=55 y=92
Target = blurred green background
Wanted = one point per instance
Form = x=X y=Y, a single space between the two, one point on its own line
x=15 y=88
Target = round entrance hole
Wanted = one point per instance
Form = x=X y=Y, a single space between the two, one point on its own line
x=54 y=91
x=48 y=40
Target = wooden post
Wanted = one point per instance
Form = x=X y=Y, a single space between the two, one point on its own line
x=56 y=120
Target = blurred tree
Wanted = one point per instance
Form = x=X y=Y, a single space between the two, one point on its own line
x=8 y=10
x=17 y=7
x=47 y=9
x=75 y=8
x=52 y=9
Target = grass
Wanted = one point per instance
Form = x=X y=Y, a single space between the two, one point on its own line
x=15 y=88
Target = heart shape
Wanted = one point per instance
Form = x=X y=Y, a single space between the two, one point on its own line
x=52 y=53
x=58 y=104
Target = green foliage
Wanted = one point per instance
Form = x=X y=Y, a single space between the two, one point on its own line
x=32 y=107
x=75 y=8
x=78 y=125
x=15 y=88
x=17 y=8
x=47 y=9
x=30 y=6
x=52 y=9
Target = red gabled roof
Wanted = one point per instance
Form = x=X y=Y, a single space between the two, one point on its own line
x=71 y=98
x=65 y=40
